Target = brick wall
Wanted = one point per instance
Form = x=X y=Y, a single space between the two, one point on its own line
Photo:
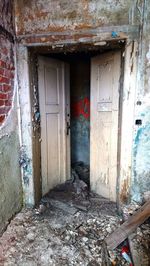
x=6 y=58
x=6 y=77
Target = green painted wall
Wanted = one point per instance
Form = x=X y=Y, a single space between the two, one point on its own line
x=10 y=182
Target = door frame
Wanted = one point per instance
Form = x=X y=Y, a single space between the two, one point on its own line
x=30 y=124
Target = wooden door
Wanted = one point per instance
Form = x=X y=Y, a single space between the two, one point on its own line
x=105 y=74
x=53 y=83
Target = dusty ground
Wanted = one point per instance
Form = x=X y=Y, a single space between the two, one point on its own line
x=67 y=229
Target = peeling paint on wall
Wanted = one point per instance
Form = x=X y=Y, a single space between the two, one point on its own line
x=141 y=152
x=26 y=125
x=10 y=178
x=60 y=23
x=24 y=162
x=148 y=56
x=6 y=15
x=59 y=15
x=35 y=110
x=141 y=139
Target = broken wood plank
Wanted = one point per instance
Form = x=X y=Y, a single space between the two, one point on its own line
x=128 y=227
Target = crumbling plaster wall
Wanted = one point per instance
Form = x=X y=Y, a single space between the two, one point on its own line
x=141 y=141
x=59 y=15
x=60 y=22
x=10 y=178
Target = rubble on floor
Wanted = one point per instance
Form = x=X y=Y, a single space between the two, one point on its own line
x=129 y=226
x=140 y=239
x=66 y=229
x=82 y=171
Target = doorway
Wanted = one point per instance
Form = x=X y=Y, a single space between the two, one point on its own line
x=80 y=115
x=79 y=105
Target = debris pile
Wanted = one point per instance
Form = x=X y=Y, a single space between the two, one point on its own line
x=70 y=230
x=140 y=238
x=83 y=171
x=140 y=244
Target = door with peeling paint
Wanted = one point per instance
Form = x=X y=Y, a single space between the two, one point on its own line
x=105 y=74
x=53 y=83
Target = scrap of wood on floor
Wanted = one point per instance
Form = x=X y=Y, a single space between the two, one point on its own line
x=128 y=227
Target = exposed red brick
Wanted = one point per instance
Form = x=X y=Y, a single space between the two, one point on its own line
x=6 y=77
x=12 y=74
x=8 y=103
x=2 y=63
x=9 y=95
x=2 y=102
x=7 y=73
x=1 y=71
x=2 y=117
x=6 y=88
x=5 y=51
x=3 y=96
x=4 y=80
x=11 y=66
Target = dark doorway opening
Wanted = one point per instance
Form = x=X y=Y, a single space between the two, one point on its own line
x=80 y=115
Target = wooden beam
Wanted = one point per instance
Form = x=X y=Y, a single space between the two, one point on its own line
x=79 y=36
x=121 y=233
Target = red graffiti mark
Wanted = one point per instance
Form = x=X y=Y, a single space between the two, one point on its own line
x=81 y=107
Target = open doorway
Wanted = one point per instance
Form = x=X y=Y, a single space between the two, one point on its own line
x=80 y=115
x=75 y=135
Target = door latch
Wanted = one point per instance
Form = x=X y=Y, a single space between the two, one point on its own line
x=68 y=128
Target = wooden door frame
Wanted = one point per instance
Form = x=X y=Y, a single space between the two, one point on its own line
x=29 y=138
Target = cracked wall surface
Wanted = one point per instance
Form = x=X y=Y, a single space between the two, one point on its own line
x=141 y=140
x=57 y=23
x=45 y=16
x=10 y=180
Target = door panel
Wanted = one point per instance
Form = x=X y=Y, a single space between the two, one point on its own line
x=51 y=85
x=53 y=146
x=54 y=109
x=105 y=74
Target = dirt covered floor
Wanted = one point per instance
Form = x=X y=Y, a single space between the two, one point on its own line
x=68 y=228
